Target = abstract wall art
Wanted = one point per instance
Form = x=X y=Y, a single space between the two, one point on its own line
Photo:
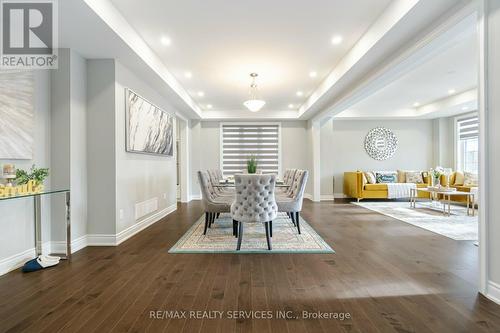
x=150 y=130
x=16 y=115
x=381 y=143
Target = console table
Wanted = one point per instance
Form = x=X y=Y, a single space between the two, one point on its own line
x=37 y=200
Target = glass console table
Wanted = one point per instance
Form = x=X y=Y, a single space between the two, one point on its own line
x=37 y=200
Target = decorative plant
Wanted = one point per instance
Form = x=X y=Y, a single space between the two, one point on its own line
x=436 y=175
x=38 y=175
x=252 y=165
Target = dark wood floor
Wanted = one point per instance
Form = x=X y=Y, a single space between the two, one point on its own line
x=387 y=275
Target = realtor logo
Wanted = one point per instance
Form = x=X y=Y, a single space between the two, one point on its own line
x=29 y=34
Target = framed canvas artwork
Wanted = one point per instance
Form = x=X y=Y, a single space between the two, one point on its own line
x=16 y=115
x=149 y=129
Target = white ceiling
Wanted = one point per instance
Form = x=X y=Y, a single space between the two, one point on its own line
x=455 y=68
x=220 y=42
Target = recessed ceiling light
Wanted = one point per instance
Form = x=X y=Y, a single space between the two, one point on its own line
x=290 y=106
x=313 y=74
x=200 y=94
x=336 y=40
x=188 y=75
x=416 y=104
x=451 y=91
x=299 y=93
x=209 y=106
x=166 y=41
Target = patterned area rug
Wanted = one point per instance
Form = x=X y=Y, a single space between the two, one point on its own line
x=220 y=239
x=429 y=216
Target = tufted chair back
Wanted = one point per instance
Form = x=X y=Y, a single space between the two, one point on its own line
x=299 y=184
x=208 y=193
x=255 y=201
x=291 y=181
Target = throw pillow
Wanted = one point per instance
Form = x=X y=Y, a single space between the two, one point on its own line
x=414 y=177
x=401 y=176
x=387 y=177
x=370 y=177
x=459 y=178
x=470 y=179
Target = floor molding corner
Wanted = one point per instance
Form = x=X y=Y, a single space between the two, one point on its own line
x=138 y=227
x=493 y=292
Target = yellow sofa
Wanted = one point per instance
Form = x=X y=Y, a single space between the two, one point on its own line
x=459 y=187
x=355 y=187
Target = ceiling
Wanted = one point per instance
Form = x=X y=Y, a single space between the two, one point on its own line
x=221 y=42
x=449 y=73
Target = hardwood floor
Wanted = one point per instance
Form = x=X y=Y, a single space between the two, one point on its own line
x=387 y=275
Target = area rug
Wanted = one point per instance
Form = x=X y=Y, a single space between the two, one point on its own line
x=429 y=216
x=220 y=239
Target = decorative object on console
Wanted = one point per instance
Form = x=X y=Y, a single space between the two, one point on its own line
x=9 y=174
x=387 y=177
x=16 y=115
x=381 y=143
x=150 y=130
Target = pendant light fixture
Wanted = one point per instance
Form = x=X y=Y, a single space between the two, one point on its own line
x=254 y=104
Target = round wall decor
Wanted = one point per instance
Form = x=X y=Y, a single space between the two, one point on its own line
x=381 y=143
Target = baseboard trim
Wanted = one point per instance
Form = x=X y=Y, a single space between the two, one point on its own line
x=493 y=292
x=76 y=245
x=138 y=227
x=17 y=260
x=308 y=196
x=195 y=197
x=327 y=197
x=101 y=240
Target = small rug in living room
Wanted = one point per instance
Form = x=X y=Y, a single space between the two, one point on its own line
x=429 y=216
x=220 y=238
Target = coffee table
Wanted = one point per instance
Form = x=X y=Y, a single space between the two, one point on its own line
x=447 y=194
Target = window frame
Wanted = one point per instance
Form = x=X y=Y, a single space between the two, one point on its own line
x=247 y=123
x=456 y=139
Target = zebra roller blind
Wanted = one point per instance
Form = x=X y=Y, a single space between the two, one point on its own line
x=468 y=128
x=240 y=142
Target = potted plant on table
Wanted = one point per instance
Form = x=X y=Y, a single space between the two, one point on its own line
x=37 y=175
x=436 y=176
x=252 y=165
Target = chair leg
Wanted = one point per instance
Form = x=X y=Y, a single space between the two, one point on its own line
x=240 y=235
x=235 y=228
x=297 y=219
x=271 y=228
x=206 y=224
x=218 y=214
x=266 y=225
x=292 y=216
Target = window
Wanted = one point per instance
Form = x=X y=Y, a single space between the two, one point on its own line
x=468 y=144
x=239 y=142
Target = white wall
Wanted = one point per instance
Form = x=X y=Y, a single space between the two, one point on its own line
x=444 y=142
x=492 y=124
x=140 y=177
x=342 y=149
x=16 y=216
x=101 y=146
x=205 y=147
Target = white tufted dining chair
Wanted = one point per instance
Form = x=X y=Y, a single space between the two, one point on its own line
x=255 y=203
